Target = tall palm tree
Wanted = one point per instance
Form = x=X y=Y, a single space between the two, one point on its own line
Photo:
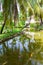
x=10 y=10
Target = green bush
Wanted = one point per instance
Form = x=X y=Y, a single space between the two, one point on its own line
x=32 y=25
x=35 y=26
x=1 y=16
x=32 y=29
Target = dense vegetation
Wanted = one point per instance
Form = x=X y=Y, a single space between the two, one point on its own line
x=21 y=19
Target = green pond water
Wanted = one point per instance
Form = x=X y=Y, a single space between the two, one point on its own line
x=22 y=50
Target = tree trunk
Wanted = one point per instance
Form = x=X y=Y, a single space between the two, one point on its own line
x=3 y=26
x=15 y=13
x=41 y=20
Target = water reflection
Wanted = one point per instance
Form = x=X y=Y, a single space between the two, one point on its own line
x=21 y=51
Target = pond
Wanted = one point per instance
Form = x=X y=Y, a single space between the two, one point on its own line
x=21 y=51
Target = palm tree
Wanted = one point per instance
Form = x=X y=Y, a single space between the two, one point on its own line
x=10 y=11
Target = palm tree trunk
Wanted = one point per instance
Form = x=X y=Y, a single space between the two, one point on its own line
x=41 y=20
x=15 y=13
x=3 y=26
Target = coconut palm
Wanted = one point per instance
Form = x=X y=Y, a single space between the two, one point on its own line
x=10 y=10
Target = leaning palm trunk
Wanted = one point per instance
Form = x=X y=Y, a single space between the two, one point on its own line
x=3 y=25
x=5 y=13
x=15 y=13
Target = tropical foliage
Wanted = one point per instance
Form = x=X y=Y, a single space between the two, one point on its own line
x=21 y=21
